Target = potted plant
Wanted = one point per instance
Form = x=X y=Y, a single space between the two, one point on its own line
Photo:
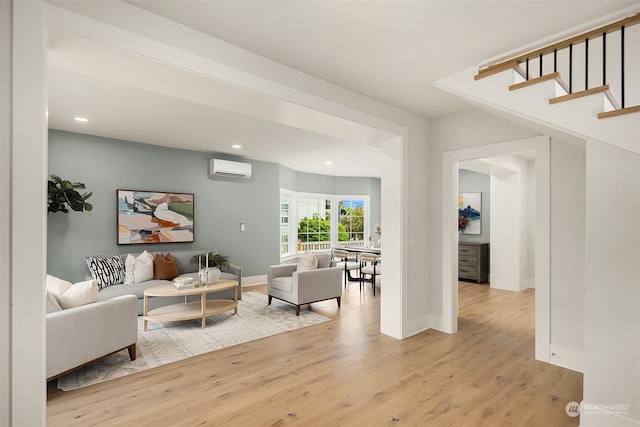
x=214 y=260
x=62 y=193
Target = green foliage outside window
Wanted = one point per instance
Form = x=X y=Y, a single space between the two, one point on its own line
x=352 y=219
x=316 y=229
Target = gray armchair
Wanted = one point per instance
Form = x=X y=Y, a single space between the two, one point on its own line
x=285 y=283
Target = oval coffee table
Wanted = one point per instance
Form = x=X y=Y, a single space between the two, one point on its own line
x=193 y=309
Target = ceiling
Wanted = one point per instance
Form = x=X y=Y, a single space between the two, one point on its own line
x=391 y=51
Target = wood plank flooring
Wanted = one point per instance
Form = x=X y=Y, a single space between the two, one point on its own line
x=345 y=373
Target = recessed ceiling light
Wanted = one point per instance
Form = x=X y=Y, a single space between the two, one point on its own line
x=81 y=119
x=328 y=162
x=236 y=146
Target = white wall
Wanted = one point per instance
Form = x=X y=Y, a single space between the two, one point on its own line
x=612 y=294
x=568 y=208
x=506 y=239
x=530 y=272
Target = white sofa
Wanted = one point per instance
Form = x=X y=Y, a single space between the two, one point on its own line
x=81 y=335
x=182 y=259
x=286 y=283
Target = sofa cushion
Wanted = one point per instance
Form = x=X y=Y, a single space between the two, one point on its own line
x=138 y=268
x=307 y=261
x=324 y=259
x=136 y=289
x=183 y=260
x=284 y=283
x=164 y=267
x=107 y=270
x=80 y=293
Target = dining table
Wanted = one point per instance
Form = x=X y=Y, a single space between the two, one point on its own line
x=361 y=249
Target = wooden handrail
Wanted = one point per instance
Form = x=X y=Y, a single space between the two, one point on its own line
x=513 y=62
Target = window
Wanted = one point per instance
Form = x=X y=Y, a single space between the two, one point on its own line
x=351 y=221
x=284 y=225
x=317 y=222
x=314 y=223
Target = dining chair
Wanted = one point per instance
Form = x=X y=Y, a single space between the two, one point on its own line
x=370 y=266
x=342 y=260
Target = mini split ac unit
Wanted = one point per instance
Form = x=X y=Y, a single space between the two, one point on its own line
x=221 y=167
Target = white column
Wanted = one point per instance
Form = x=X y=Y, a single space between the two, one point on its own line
x=23 y=217
x=392 y=302
x=5 y=212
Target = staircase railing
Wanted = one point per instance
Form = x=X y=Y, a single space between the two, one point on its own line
x=559 y=59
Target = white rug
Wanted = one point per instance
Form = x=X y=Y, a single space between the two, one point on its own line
x=168 y=342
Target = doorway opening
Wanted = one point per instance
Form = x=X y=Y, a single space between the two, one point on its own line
x=511 y=238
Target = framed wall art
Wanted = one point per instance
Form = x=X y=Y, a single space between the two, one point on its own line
x=154 y=217
x=470 y=213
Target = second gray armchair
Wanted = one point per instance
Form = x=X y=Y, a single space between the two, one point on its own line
x=300 y=283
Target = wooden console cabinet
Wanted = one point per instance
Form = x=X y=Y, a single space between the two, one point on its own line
x=473 y=261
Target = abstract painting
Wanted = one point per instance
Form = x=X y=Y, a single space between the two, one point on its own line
x=470 y=213
x=154 y=217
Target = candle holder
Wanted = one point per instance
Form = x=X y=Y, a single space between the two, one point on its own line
x=204 y=276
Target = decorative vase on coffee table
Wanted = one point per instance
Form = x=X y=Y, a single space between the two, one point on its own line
x=210 y=275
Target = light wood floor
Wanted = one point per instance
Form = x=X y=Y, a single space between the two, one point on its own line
x=345 y=373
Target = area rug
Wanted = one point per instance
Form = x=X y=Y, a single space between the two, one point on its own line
x=168 y=342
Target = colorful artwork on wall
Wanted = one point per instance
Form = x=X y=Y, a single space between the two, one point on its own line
x=470 y=213
x=154 y=217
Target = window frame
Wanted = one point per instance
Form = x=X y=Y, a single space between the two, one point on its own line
x=334 y=217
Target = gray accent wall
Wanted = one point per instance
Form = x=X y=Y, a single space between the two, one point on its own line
x=473 y=182
x=105 y=165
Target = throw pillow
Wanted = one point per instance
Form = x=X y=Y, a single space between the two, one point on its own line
x=307 y=261
x=80 y=293
x=56 y=286
x=107 y=270
x=67 y=295
x=52 y=303
x=138 y=269
x=164 y=267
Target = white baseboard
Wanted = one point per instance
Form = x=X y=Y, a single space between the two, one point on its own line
x=528 y=282
x=254 y=280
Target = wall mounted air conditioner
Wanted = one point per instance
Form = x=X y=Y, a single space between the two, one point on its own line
x=221 y=167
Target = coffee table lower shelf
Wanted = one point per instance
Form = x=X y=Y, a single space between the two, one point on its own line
x=191 y=310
